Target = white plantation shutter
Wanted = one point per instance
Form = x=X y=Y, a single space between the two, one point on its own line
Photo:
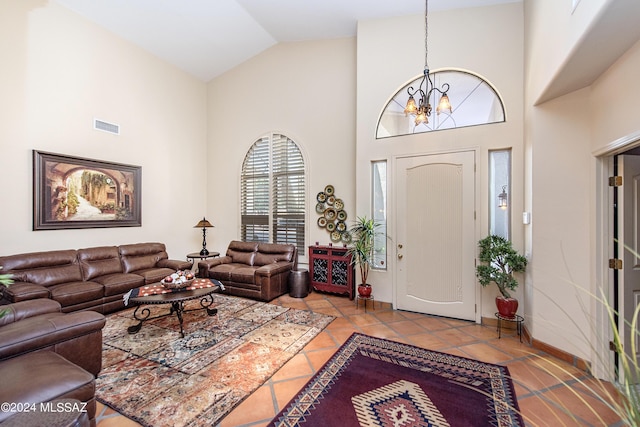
x=274 y=167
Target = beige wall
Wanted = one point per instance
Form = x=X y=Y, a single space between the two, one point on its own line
x=303 y=90
x=58 y=72
x=563 y=184
x=390 y=54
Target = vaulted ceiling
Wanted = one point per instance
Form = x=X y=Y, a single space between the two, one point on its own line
x=208 y=37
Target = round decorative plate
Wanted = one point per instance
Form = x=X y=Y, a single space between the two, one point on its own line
x=330 y=214
x=331 y=200
x=346 y=237
x=336 y=236
x=341 y=226
x=338 y=204
x=329 y=190
x=320 y=207
x=321 y=197
x=322 y=222
x=331 y=226
x=342 y=215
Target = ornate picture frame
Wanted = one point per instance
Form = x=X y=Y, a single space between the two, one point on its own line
x=74 y=192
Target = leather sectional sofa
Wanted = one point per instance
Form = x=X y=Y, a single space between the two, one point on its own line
x=253 y=270
x=46 y=354
x=87 y=279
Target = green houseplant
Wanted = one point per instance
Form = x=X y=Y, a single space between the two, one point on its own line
x=498 y=263
x=363 y=232
x=5 y=280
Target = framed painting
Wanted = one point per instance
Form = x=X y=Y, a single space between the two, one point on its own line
x=73 y=192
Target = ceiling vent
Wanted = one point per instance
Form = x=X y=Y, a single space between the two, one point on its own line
x=106 y=127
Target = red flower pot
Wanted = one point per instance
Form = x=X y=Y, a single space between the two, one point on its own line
x=507 y=307
x=364 y=291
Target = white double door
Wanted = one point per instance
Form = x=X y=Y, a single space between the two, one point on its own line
x=436 y=240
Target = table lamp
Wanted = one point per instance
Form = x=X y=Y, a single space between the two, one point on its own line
x=204 y=224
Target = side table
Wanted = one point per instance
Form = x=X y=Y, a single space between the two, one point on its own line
x=517 y=319
x=365 y=299
x=196 y=256
x=299 y=283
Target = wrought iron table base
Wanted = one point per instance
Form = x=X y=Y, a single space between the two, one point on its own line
x=177 y=307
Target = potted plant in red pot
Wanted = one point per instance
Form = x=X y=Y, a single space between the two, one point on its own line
x=362 y=247
x=499 y=262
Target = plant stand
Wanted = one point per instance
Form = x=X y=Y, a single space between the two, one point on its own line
x=365 y=299
x=517 y=319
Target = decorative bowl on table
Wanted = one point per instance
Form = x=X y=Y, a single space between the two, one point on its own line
x=178 y=280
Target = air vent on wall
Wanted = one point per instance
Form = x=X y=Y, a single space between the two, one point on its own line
x=106 y=127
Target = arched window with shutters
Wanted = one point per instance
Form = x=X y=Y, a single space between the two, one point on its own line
x=273 y=192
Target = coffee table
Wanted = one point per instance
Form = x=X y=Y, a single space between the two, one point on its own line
x=177 y=300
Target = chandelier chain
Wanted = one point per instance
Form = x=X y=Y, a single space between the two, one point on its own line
x=426 y=34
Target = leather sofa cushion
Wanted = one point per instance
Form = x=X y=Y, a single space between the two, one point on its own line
x=238 y=257
x=119 y=283
x=243 y=274
x=154 y=275
x=264 y=259
x=22 y=291
x=44 y=268
x=99 y=261
x=141 y=256
x=43 y=376
x=76 y=292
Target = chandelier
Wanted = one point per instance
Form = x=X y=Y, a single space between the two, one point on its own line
x=422 y=110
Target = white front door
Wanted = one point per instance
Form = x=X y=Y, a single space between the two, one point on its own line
x=629 y=249
x=436 y=245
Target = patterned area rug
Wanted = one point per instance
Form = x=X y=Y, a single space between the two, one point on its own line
x=157 y=378
x=376 y=382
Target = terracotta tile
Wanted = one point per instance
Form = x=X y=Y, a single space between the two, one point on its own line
x=339 y=322
x=582 y=405
x=287 y=390
x=116 y=421
x=323 y=340
x=299 y=365
x=319 y=358
x=485 y=353
x=380 y=331
x=432 y=323
x=428 y=341
x=364 y=320
x=480 y=332
x=406 y=327
x=539 y=412
x=527 y=374
x=389 y=316
x=258 y=406
x=454 y=336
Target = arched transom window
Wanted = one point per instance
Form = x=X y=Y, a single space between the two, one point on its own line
x=474 y=102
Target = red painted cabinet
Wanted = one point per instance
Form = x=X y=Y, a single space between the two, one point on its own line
x=331 y=270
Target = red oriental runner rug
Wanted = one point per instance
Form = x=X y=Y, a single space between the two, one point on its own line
x=376 y=382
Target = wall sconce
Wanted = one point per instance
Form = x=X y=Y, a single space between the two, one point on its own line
x=502 y=198
x=204 y=224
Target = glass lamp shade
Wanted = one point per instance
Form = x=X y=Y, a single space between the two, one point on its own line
x=421 y=117
x=444 y=104
x=411 y=107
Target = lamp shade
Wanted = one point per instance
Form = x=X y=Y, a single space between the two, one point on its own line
x=203 y=223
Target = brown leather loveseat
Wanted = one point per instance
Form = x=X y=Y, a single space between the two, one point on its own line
x=46 y=354
x=87 y=279
x=253 y=270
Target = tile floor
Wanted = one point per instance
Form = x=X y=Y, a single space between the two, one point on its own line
x=544 y=385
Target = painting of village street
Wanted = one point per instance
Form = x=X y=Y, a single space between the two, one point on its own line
x=80 y=193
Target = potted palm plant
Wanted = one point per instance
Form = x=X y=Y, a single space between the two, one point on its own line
x=499 y=262
x=363 y=232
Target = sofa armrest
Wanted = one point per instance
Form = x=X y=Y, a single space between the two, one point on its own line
x=174 y=264
x=205 y=265
x=274 y=268
x=25 y=309
x=76 y=336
